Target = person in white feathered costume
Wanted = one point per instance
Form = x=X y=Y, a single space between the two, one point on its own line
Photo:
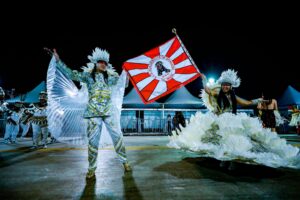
x=226 y=135
x=295 y=120
x=3 y=109
x=105 y=98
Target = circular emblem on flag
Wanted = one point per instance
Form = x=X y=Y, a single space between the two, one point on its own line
x=161 y=68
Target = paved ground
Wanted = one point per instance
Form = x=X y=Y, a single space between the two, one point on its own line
x=158 y=173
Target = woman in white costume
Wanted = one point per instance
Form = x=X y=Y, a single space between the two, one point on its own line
x=12 y=124
x=295 y=120
x=226 y=135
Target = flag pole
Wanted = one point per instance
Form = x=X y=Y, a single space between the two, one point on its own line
x=185 y=50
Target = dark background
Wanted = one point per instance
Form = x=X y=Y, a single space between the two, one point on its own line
x=260 y=42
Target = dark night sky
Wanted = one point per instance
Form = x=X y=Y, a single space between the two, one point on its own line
x=262 y=45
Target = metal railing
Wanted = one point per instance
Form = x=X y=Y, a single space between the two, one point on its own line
x=145 y=125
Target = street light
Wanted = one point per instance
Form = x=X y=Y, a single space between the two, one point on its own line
x=211 y=80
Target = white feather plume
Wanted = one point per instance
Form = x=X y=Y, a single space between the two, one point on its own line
x=230 y=76
x=208 y=101
x=89 y=68
x=99 y=54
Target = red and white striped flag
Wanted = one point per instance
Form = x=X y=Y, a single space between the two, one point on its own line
x=161 y=70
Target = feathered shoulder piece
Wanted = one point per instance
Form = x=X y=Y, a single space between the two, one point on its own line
x=229 y=76
x=208 y=101
x=111 y=70
x=88 y=68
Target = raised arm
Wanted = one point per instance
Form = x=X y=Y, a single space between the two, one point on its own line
x=71 y=74
x=244 y=102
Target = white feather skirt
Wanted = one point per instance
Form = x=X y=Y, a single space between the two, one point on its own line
x=230 y=137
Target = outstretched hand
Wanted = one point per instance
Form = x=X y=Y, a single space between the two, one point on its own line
x=52 y=53
x=48 y=51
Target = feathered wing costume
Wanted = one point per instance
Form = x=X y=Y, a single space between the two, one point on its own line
x=230 y=137
x=66 y=105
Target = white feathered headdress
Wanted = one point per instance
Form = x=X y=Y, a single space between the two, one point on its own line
x=230 y=76
x=99 y=54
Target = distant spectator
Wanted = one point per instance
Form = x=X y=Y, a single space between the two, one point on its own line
x=175 y=123
x=181 y=119
x=169 y=124
x=267 y=108
x=295 y=118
